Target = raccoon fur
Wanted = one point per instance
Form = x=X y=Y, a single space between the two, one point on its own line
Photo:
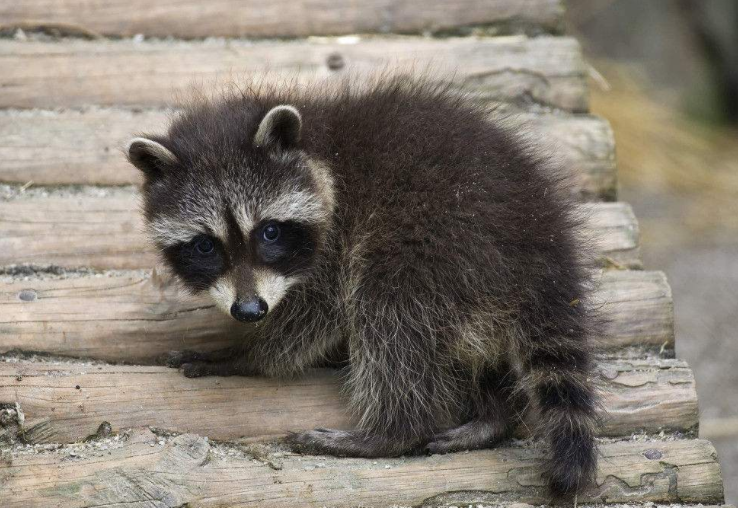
x=395 y=222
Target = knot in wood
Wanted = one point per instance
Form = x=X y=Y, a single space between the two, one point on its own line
x=652 y=454
x=27 y=295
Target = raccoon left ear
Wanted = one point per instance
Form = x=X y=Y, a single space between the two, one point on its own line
x=281 y=126
x=149 y=156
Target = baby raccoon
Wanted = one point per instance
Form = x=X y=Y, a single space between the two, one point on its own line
x=393 y=221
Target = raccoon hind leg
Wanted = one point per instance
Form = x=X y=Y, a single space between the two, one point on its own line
x=398 y=381
x=490 y=422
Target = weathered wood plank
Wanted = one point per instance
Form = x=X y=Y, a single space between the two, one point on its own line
x=583 y=144
x=84 y=147
x=190 y=470
x=613 y=233
x=103 y=229
x=281 y=18
x=67 y=401
x=547 y=70
x=131 y=316
x=639 y=308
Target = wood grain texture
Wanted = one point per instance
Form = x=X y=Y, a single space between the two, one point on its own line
x=85 y=147
x=281 y=18
x=638 y=307
x=147 y=470
x=103 y=229
x=133 y=317
x=613 y=233
x=583 y=144
x=128 y=316
x=637 y=396
x=546 y=70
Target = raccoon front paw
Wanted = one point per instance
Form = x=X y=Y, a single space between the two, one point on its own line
x=318 y=441
x=175 y=359
x=340 y=443
x=197 y=369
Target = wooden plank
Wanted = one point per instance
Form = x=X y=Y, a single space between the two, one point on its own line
x=84 y=147
x=64 y=402
x=103 y=229
x=583 y=144
x=281 y=18
x=639 y=308
x=134 y=317
x=128 y=316
x=74 y=73
x=144 y=469
x=613 y=233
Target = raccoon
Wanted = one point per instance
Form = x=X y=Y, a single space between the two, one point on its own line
x=391 y=221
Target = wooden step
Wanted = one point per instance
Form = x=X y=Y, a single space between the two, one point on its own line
x=279 y=18
x=75 y=73
x=144 y=469
x=133 y=317
x=66 y=401
x=103 y=228
x=85 y=147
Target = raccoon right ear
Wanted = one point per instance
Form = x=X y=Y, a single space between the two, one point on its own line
x=149 y=156
x=281 y=126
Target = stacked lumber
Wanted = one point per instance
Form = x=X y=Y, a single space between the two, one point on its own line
x=84 y=146
x=86 y=416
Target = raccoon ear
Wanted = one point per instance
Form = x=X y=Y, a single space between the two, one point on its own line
x=149 y=156
x=281 y=126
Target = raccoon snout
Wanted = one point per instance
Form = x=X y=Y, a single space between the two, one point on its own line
x=249 y=311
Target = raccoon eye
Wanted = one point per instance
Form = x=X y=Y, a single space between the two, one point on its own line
x=205 y=246
x=270 y=233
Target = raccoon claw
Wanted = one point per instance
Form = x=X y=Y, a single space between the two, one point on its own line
x=441 y=444
x=470 y=436
x=175 y=359
x=196 y=369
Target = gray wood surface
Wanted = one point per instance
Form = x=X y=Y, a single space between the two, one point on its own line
x=281 y=18
x=75 y=73
x=85 y=147
x=143 y=469
x=637 y=396
x=103 y=229
x=134 y=317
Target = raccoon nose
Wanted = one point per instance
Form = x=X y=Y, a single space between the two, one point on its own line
x=250 y=310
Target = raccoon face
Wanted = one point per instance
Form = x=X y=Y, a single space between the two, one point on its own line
x=243 y=219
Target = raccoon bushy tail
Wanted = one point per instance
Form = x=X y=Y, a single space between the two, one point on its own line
x=556 y=363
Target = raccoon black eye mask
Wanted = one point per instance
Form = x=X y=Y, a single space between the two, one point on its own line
x=198 y=262
x=394 y=221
